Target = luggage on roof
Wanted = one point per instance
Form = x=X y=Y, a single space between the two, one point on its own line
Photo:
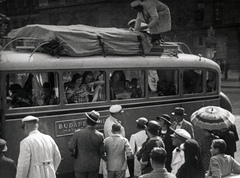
x=83 y=40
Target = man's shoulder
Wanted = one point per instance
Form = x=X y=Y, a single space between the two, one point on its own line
x=187 y=122
x=158 y=174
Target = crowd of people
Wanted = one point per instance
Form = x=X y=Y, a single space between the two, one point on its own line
x=159 y=147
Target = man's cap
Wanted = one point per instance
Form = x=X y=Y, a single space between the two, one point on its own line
x=181 y=134
x=165 y=117
x=3 y=147
x=30 y=119
x=142 y=121
x=136 y=3
x=179 y=111
x=93 y=116
x=116 y=109
x=153 y=127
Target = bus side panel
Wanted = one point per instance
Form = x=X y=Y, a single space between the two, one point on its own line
x=62 y=127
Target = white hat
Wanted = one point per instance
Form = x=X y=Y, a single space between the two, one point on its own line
x=142 y=121
x=181 y=134
x=30 y=118
x=116 y=109
x=94 y=116
x=136 y=3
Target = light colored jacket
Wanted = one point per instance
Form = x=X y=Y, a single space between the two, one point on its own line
x=222 y=165
x=177 y=160
x=136 y=141
x=156 y=15
x=117 y=148
x=108 y=126
x=39 y=156
x=158 y=173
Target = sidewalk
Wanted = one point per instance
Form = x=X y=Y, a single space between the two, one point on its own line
x=233 y=80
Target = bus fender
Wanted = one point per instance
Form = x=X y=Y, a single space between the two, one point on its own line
x=225 y=102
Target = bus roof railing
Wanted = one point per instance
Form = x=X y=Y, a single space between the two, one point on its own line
x=167 y=48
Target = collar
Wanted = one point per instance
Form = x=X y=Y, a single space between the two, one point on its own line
x=159 y=170
x=155 y=138
x=33 y=132
x=115 y=120
x=116 y=135
x=180 y=123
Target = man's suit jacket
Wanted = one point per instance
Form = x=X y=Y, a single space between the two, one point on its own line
x=186 y=126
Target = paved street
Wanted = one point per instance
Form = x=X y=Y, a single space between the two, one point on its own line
x=231 y=87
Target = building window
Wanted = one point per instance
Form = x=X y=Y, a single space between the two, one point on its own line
x=218 y=10
x=200 y=12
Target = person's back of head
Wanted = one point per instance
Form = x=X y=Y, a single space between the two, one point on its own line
x=158 y=156
x=116 y=128
x=193 y=154
x=220 y=144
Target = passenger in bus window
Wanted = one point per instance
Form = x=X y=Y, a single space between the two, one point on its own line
x=166 y=88
x=117 y=84
x=48 y=95
x=20 y=97
x=152 y=82
x=76 y=92
x=211 y=82
x=192 y=82
x=136 y=89
x=94 y=86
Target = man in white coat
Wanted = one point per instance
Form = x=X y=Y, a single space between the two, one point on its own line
x=136 y=141
x=178 y=138
x=39 y=155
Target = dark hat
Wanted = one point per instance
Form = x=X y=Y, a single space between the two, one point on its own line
x=93 y=116
x=192 y=143
x=165 y=117
x=153 y=127
x=116 y=109
x=181 y=134
x=142 y=121
x=30 y=119
x=179 y=111
x=3 y=147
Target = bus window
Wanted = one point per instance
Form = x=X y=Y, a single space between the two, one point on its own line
x=32 y=89
x=126 y=84
x=84 y=86
x=192 y=81
x=163 y=82
x=211 y=81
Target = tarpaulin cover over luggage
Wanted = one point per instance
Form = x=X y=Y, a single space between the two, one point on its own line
x=83 y=40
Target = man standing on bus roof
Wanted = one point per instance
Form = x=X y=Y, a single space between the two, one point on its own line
x=39 y=155
x=180 y=122
x=155 y=14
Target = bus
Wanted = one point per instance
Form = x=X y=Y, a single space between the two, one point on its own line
x=39 y=84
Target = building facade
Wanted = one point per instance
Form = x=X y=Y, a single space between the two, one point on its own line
x=209 y=27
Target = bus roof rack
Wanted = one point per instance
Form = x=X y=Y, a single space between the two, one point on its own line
x=167 y=48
